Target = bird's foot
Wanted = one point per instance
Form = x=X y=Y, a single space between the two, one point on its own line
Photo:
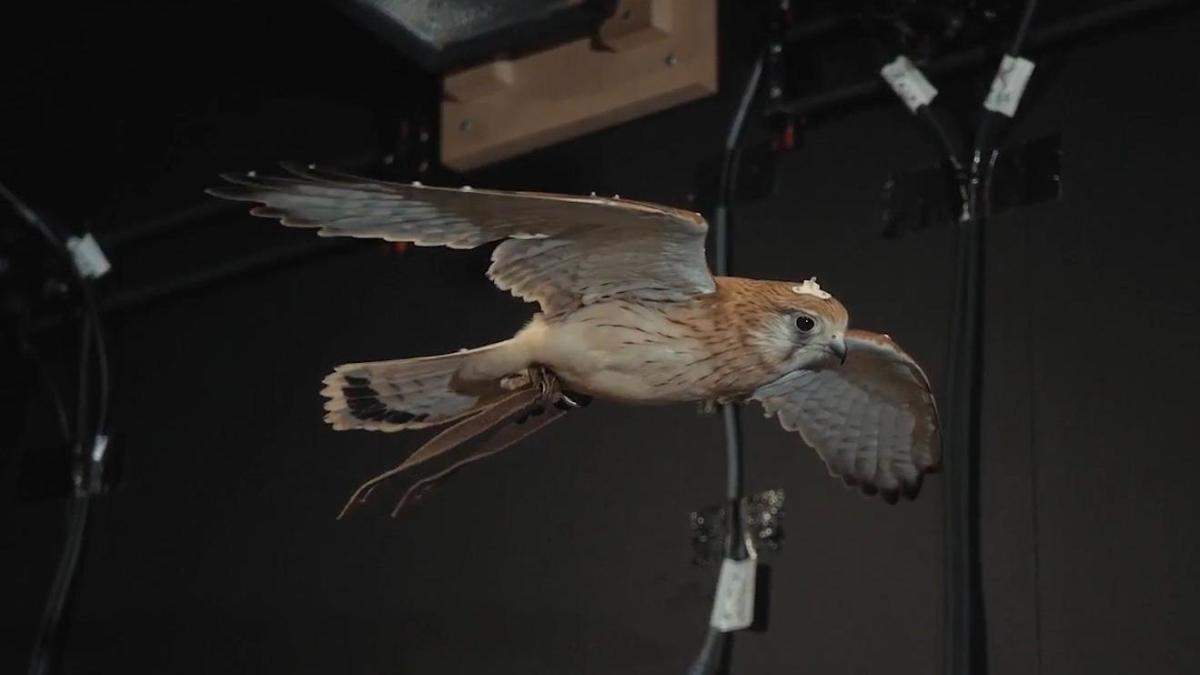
x=553 y=393
x=515 y=382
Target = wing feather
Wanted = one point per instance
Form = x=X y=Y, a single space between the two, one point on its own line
x=558 y=250
x=873 y=420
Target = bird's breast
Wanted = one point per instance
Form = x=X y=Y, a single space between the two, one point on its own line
x=642 y=353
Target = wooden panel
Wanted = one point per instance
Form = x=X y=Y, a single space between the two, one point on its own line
x=636 y=22
x=666 y=54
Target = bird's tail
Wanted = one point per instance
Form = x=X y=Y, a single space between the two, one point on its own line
x=421 y=392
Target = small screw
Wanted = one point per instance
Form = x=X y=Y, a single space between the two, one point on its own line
x=465 y=125
x=776 y=48
x=423 y=166
x=389 y=160
x=671 y=60
x=776 y=91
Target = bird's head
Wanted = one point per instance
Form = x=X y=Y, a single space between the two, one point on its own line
x=803 y=326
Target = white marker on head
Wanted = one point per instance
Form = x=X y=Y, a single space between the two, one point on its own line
x=811 y=287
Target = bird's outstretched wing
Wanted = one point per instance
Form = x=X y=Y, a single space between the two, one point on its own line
x=873 y=419
x=560 y=251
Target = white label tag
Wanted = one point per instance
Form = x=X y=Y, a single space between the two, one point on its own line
x=89 y=259
x=908 y=82
x=1008 y=85
x=99 y=447
x=733 y=607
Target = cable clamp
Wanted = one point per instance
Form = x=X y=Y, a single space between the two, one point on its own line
x=1008 y=85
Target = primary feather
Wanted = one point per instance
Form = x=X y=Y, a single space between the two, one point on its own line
x=560 y=251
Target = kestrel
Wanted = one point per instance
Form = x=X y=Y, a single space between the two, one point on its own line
x=629 y=312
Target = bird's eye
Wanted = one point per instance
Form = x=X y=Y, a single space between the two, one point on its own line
x=805 y=323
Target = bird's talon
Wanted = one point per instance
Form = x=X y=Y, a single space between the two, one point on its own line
x=569 y=401
x=514 y=382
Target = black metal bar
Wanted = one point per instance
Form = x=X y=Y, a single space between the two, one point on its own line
x=196 y=213
x=253 y=263
x=1052 y=35
x=167 y=223
x=819 y=27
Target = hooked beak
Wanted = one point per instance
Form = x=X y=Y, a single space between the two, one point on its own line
x=838 y=347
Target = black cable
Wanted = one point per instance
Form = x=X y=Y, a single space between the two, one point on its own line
x=731 y=162
x=735 y=546
x=91 y=312
x=957 y=576
x=966 y=649
x=983 y=165
x=951 y=152
x=1018 y=42
x=49 y=634
x=30 y=216
x=716 y=652
x=104 y=385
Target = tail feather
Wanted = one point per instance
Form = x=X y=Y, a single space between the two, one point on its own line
x=406 y=393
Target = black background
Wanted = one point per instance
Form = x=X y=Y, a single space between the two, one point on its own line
x=570 y=553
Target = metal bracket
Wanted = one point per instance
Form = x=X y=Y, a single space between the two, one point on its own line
x=762 y=519
x=1025 y=174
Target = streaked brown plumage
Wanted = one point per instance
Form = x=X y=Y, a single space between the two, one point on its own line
x=629 y=313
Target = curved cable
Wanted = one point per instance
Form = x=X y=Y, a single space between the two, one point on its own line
x=91 y=339
x=90 y=307
x=716 y=651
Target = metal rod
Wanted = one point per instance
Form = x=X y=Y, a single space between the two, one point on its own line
x=819 y=27
x=259 y=262
x=170 y=222
x=252 y=263
x=194 y=214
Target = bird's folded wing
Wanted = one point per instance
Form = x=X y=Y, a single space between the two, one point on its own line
x=873 y=419
x=560 y=251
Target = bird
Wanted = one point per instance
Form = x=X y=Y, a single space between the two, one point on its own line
x=629 y=312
